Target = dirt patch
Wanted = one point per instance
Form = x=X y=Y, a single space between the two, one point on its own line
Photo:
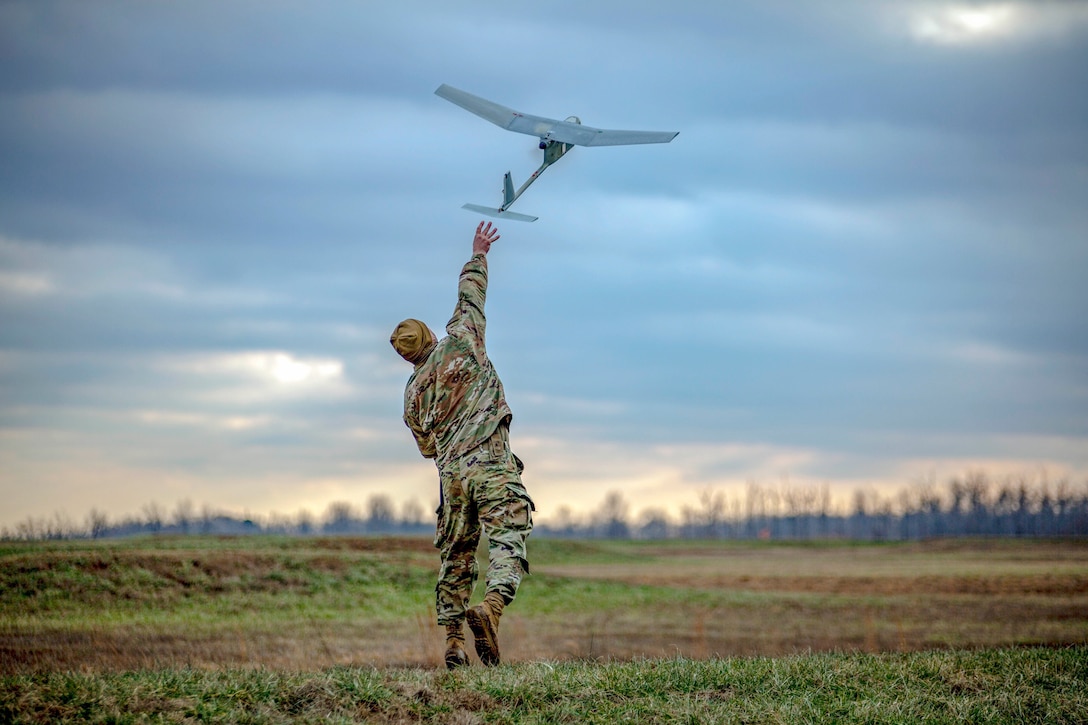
x=386 y=544
x=682 y=630
x=767 y=627
x=295 y=648
x=935 y=567
x=1038 y=584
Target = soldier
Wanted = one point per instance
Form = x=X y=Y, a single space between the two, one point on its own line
x=455 y=407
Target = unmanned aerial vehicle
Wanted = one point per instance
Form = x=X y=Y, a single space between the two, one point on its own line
x=556 y=138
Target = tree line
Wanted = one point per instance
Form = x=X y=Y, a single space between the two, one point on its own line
x=971 y=505
x=379 y=516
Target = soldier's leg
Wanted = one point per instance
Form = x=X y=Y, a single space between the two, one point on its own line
x=506 y=517
x=505 y=513
x=506 y=520
x=457 y=536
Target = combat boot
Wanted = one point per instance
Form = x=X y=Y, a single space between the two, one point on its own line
x=455 y=647
x=483 y=620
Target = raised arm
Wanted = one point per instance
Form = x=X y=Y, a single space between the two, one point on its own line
x=468 y=322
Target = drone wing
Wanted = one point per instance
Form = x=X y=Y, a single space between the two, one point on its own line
x=582 y=135
x=548 y=129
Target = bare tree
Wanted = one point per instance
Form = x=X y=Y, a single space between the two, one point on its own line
x=380 y=513
x=278 y=523
x=153 y=516
x=565 y=523
x=713 y=513
x=184 y=515
x=755 y=508
x=653 y=523
x=338 y=517
x=304 y=522
x=207 y=519
x=412 y=513
x=611 y=517
x=60 y=526
x=97 y=523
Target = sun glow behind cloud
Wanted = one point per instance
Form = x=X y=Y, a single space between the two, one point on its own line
x=957 y=24
x=274 y=366
x=287 y=370
x=963 y=24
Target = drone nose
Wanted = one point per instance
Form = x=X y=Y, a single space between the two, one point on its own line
x=543 y=144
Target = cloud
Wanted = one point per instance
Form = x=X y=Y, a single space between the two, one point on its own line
x=964 y=24
x=276 y=368
x=863 y=251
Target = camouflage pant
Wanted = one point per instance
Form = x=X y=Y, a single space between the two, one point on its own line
x=481 y=491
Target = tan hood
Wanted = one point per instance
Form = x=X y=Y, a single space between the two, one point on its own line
x=413 y=340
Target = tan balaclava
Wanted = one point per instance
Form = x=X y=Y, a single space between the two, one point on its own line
x=413 y=341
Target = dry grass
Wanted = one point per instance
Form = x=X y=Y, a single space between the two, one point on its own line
x=308 y=604
x=939 y=567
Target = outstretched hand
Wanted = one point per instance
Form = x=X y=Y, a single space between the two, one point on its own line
x=485 y=236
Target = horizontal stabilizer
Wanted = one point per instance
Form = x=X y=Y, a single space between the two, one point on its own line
x=499 y=213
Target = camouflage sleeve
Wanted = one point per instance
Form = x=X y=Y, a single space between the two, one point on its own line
x=468 y=322
x=424 y=439
x=425 y=443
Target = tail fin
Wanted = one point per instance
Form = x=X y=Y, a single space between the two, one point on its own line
x=500 y=213
x=507 y=189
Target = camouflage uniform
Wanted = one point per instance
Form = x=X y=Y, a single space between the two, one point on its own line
x=455 y=406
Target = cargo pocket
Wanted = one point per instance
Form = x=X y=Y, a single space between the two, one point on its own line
x=518 y=522
x=517 y=491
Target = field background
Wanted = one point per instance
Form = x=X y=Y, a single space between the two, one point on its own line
x=308 y=604
x=274 y=630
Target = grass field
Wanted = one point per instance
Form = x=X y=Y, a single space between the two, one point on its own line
x=275 y=629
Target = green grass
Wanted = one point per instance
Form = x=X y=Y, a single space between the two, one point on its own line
x=1015 y=686
x=198 y=582
x=160 y=582
x=585 y=599
x=273 y=629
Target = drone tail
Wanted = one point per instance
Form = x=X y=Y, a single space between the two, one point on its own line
x=508 y=198
x=508 y=190
x=500 y=213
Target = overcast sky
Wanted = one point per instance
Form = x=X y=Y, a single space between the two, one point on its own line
x=862 y=262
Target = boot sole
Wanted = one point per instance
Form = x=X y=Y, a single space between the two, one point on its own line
x=484 y=635
x=456 y=657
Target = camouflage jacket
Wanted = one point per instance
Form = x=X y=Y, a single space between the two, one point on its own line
x=454 y=400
